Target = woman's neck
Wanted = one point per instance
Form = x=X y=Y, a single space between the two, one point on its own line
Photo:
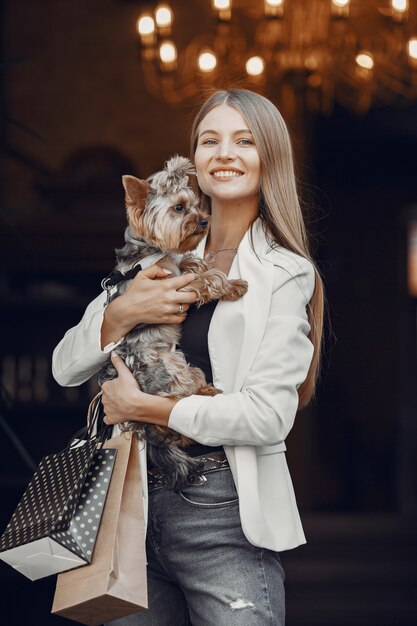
x=229 y=223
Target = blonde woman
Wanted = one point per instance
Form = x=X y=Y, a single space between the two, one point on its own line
x=213 y=548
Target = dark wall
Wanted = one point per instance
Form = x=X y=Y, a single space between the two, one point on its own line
x=365 y=170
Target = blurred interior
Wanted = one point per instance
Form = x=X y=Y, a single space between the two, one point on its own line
x=82 y=104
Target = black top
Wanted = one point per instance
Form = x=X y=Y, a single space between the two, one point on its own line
x=194 y=345
x=193 y=342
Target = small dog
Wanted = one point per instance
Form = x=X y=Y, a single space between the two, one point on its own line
x=164 y=220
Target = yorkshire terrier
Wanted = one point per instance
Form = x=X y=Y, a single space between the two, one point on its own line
x=165 y=222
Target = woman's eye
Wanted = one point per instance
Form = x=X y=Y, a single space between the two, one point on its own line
x=179 y=208
x=245 y=142
x=209 y=142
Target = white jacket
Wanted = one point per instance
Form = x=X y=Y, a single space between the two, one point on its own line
x=260 y=354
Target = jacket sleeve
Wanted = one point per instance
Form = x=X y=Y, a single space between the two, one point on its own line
x=263 y=411
x=78 y=356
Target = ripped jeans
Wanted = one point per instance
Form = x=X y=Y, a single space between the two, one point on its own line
x=202 y=571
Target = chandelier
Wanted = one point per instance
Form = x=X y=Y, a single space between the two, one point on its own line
x=357 y=53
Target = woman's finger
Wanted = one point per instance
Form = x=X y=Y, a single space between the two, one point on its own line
x=171 y=286
x=120 y=366
x=177 y=282
x=186 y=297
x=154 y=271
x=180 y=309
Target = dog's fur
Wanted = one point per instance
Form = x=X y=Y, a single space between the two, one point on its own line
x=163 y=215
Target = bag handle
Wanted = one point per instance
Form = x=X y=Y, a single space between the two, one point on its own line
x=95 y=415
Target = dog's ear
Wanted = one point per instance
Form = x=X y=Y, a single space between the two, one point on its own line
x=136 y=192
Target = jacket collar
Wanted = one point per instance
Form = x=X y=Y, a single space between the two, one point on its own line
x=237 y=328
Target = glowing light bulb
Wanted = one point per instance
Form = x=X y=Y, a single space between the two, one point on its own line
x=255 y=66
x=412 y=48
x=365 y=60
x=274 y=8
x=223 y=9
x=163 y=15
x=222 y=5
x=400 y=6
x=168 y=52
x=340 y=3
x=340 y=8
x=145 y=25
x=207 y=61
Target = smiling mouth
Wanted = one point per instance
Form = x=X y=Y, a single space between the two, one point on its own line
x=226 y=174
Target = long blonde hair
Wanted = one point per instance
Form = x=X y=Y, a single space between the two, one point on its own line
x=279 y=205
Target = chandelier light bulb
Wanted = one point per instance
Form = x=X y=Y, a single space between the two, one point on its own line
x=412 y=48
x=163 y=15
x=168 y=52
x=223 y=9
x=255 y=66
x=340 y=8
x=222 y=5
x=400 y=6
x=274 y=8
x=207 y=61
x=365 y=60
x=274 y=3
x=145 y=25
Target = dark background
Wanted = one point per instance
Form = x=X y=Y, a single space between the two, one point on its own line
x=75 y=117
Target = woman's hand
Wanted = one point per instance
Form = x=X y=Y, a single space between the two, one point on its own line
x=123 y=400
x=147 y=301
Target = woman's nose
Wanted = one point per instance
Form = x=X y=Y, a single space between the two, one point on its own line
x=225 y=151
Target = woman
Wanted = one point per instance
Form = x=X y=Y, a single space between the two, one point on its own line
x=213 y=549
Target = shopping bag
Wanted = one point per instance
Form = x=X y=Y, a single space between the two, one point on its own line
x=55 y=524
x=114 y=584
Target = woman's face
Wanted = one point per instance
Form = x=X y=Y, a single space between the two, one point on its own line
x=226 y=159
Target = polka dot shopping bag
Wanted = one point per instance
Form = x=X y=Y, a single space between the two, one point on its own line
x=55 y=525
x=114 y=585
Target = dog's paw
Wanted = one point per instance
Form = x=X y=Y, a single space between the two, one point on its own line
x=209 y=390
x=235 y=289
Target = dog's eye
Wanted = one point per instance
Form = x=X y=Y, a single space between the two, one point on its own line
x=179 y=207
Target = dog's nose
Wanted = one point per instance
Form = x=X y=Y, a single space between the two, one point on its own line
x=202 y=223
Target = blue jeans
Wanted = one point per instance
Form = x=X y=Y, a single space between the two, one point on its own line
x=201 y=568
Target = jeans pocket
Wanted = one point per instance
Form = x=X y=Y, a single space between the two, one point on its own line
x=216 y=489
